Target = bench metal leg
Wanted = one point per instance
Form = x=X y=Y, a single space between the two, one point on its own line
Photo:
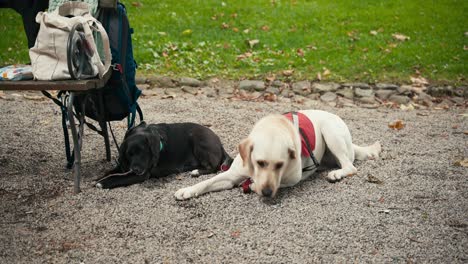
x=76 y=144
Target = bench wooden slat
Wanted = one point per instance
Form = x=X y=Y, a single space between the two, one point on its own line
x=65 y=85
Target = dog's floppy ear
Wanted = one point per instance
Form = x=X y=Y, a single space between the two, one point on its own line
x=131 y=130
x=154 y=144
x=245 y=150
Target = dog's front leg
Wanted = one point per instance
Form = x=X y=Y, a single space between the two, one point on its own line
x=120 y=181
x=226 y=180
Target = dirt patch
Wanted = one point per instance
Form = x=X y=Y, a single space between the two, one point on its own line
x=408 y=206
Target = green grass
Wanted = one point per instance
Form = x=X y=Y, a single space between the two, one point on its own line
x=307 y=36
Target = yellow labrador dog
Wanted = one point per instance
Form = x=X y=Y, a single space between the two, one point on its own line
x=282 y=150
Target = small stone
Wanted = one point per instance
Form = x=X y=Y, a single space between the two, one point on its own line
x=186 y=81
x=209 y=91
x=367 y=100
x=386 y=86
x=161 y=81
x=404 y=89
x=357 y=85
x=190 y=90
x=303 y=88
x=461 y=91
x=438 y=91
x=445 y=104
x=346 y=93
x=314 y=96
x=270 y=251
x=384 y=94
x=325 y=87
x=144 y=86
x=343 y=102
x=422 y=96
x=140 y=80
x=288 y=93
x=363 y=92
x=457 y=100
x=251 y=85
x=272 y=90
x=328 y=97
x=277 y=83
x=399 y=99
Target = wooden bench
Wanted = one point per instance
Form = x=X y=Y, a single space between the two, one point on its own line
x=72 y=87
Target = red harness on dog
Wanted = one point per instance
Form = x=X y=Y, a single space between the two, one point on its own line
x=307 y=134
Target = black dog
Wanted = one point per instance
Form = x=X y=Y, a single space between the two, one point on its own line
x=159 y=150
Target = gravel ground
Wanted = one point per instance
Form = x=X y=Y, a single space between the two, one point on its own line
x=409 y=206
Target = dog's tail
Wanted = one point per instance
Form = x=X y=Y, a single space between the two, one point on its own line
x=367 y=152
x=227 y=161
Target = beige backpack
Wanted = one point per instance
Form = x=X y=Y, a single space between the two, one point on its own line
x=51 y=57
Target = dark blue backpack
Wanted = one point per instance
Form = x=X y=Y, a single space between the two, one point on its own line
x=118 y=98
x=120 y=93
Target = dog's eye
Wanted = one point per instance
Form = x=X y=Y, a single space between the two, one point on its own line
x=278 y=165
x=262 y=163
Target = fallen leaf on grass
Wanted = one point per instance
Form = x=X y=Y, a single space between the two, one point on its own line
x=224 y=26
x=400 y=37
x=461 y=163
x=244 y=56
x=270 y=78
x=265 y=28
x=373 y=32
x=251 y=43
x=419 y=81
x=396 y=125
x=137 y=4
x=300 y=52
x=319 y=76
x=287 y=72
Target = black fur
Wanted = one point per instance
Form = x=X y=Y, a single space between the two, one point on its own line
x=186 y=147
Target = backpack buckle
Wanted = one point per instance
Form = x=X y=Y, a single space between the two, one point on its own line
x=117 y=67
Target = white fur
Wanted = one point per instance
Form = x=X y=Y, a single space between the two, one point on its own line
x=269 y=141
x=195 y=173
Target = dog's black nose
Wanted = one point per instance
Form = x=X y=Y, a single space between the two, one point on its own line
x=267 y=192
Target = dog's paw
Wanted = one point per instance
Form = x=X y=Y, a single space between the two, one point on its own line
x=195 y=173
x=185 y=193
x=337 y=175
x=99 y=185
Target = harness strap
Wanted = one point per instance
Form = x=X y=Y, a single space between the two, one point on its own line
x=295 y=119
